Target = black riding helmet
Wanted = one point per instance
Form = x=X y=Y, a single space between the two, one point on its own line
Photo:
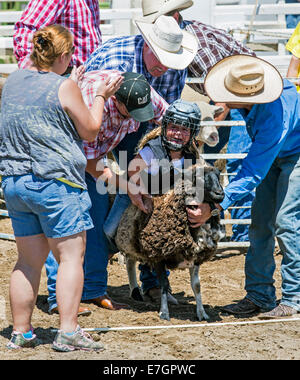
x=185 y=114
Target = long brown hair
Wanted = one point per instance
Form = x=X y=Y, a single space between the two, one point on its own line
x=193 y=148
x=48 y=44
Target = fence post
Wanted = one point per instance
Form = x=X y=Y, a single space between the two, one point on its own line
x=124 y=25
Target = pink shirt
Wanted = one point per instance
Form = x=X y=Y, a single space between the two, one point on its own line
x=81 y=17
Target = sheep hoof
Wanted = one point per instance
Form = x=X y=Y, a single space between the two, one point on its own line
x=202 y=316
x=172 y=299
x=136 y=295
x=164 y=316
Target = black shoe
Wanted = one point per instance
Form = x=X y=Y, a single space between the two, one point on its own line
x=245 y=306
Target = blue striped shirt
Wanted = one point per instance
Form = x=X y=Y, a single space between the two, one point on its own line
x=275 y=132
x=126 y=55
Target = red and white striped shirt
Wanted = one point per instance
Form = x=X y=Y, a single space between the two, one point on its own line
x=114 y=126
x=81 y=17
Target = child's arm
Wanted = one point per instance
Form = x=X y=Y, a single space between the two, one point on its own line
x=98 y=169
x=293 y=68
x=136 y=189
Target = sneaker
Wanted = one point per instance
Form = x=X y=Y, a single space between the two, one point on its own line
x=80 y=340
x=245 y=306
x=18 y=340
x=280 y=311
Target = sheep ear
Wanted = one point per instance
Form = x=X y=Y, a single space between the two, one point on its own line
x=217 y=110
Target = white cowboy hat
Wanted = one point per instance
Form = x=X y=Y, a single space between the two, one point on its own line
x=152 y=9
x=243 y=79
x=175 y=48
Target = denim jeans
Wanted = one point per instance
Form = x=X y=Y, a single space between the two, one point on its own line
x=96 y=255
x=50 y=207
x=238 y=142
x=121 y=202
x=129 y=143
x=51 y=266
x=148 y=277
x=275 y=212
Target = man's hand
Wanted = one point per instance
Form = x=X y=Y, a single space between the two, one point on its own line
x=199 y=214
x=222 y=115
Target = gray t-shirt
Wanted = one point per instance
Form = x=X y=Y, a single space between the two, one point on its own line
x=36 y=134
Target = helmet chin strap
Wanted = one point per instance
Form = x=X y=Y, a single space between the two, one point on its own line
x=172 y=145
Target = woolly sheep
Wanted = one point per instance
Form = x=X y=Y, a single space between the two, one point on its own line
x=164 y=238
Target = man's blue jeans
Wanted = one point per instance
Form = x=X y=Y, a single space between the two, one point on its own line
x=96 y=255
x=275 y=212
x=238 y=142
x=51 y=266
x=129 y=143
x=121 y=202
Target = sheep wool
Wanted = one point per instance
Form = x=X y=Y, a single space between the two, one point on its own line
x=165 y=235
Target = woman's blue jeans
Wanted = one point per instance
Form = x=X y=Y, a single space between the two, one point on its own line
x=275 y=212
x=96 y=255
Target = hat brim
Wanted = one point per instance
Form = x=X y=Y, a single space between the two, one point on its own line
x=143 y=114
x=179 y=60
x=167 y=7
x=214 y=83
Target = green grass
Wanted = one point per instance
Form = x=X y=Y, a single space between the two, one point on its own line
x=12 y=6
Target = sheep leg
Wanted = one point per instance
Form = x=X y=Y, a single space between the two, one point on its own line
x=195 y=283
x=164 y=285
x=135 y=292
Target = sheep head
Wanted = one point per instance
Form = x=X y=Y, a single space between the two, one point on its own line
x=213 y=191
x=209 y=134
x=201 y=184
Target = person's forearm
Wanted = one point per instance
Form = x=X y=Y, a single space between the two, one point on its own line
x=97 y=169
x=293 y=68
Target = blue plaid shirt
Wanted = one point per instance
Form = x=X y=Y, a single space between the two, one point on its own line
x=126 y=55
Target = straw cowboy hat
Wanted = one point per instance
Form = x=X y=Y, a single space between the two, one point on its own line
x=152 y=9
x=175 y=48
x=243 y=79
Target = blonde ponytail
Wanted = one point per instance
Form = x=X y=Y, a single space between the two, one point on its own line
x=48 y=44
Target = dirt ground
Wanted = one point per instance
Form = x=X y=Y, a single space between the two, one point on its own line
x=222 y=282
